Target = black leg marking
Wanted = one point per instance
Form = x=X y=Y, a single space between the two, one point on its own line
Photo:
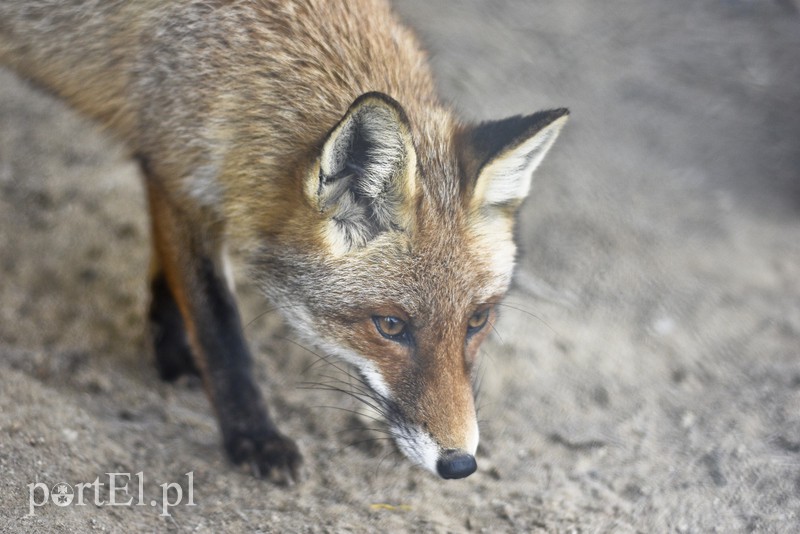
x=168 y=334
x=192 y=301
x=249 y=435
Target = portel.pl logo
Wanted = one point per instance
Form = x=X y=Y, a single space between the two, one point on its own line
x=124 y=489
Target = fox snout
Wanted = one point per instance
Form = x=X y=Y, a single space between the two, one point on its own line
x=431 y=412
x=455 y=459
x=456 y=463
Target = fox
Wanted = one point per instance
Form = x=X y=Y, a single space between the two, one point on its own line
x=308 y=136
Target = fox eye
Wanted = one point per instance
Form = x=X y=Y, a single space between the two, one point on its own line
x=391 y=327
x=478 y=320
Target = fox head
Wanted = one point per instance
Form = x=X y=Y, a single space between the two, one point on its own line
x=398 y=254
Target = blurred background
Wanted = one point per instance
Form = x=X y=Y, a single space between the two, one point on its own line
x=645 y=374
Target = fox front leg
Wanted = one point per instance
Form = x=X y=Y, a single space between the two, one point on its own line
x=191 y=293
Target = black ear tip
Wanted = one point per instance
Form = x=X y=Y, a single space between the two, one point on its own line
x=543 y=119
x=557 y=113
x=376 y=97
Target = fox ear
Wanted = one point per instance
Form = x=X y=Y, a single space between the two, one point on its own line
x=367 y=172
x=505 y=153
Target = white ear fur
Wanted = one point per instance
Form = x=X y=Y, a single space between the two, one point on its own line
x=367 y=172
x=506 y=178
x=380 y=129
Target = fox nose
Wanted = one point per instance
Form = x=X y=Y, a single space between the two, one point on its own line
x=455 y=463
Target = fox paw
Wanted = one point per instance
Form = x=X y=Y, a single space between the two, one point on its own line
x=274 y=457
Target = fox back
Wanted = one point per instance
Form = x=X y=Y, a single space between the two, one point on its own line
x=309 y=134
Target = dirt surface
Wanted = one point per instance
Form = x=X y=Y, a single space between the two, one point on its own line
x=644 y=377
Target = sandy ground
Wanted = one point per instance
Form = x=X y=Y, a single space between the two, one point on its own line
x=645 y=376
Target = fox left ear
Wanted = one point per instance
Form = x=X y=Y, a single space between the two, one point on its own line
x=505 y=153
x=367 y=173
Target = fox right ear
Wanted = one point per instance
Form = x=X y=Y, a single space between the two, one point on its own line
x=367 y=173
x=502 y=156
